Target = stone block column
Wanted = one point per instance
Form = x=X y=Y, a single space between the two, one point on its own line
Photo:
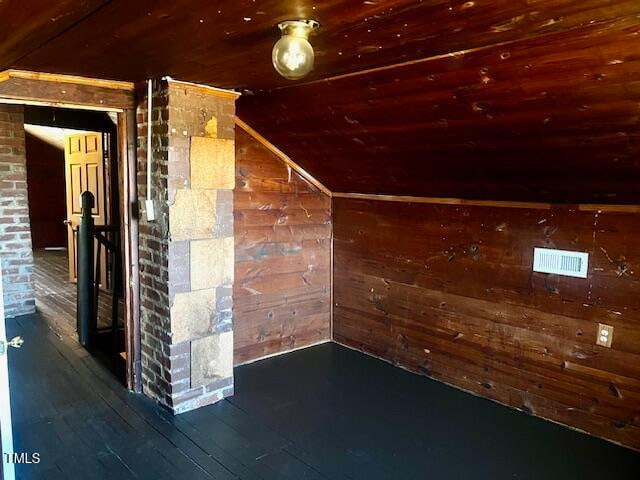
x=186 y=314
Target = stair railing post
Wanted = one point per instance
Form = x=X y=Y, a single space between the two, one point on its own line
x=85 y=267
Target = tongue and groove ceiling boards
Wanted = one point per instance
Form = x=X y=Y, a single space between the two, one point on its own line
x=518 y=100
x=526 y=121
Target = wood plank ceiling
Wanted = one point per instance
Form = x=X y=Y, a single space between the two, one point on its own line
x=500 y=99
x=525 y=121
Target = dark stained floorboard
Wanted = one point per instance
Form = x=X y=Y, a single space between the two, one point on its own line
x=56 y=295
x=325 y=412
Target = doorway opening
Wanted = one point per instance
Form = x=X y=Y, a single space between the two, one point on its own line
x=68 y=152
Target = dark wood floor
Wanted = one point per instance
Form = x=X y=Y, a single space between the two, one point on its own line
x=323 y=412
x=56 y=295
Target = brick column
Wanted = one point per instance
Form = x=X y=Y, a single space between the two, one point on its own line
x=16 y=256
x=153 y=249
x=187 y=255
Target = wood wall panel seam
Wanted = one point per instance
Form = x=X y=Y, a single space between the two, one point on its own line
x=609 y=208
x=591 y=207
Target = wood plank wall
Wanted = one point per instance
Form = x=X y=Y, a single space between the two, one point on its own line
x=447 y=291
x=283 y=255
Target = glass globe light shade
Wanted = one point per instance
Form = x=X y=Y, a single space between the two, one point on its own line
x=292 y=55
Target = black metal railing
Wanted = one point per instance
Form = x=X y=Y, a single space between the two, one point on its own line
x=90 y=242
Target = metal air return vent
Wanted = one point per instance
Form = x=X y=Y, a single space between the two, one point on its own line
x=560 y=262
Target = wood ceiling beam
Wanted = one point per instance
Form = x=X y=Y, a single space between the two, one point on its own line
x=18 y=86
x=54 y=77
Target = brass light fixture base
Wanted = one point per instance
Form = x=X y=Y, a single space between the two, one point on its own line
x=298 y=28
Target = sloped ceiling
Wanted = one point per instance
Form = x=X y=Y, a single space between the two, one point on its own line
x=551 y=119
x=498 y=99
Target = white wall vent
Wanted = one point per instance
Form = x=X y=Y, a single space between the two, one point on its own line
x=560 y=262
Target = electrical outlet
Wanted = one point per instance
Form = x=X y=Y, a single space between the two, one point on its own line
x=604 y=335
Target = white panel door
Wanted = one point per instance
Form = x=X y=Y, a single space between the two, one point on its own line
x=6 y=434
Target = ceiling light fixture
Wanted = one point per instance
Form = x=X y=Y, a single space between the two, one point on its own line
x=292 y=55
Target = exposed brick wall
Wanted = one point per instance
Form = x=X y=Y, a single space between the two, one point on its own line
x=153 y=248
x=16 y=255
x=187 y=252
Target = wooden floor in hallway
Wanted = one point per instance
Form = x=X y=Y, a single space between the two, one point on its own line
x=56 y=295
x=325 y=412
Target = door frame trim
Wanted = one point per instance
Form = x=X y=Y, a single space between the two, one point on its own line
x=68 y=91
